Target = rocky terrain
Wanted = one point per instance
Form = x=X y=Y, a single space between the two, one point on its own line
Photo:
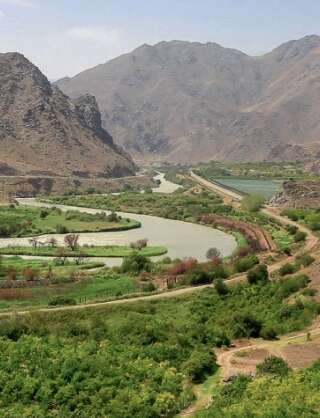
x=185 y=102
x=298 y=194
x=44 y=133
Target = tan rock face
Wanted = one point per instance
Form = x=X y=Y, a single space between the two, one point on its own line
x=43 y=132
x=186 y=102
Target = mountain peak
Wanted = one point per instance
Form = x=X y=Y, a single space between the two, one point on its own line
x=296 y=48
x=43 y=132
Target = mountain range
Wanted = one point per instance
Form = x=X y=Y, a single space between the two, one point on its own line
x=188 y=102
x=43 y=132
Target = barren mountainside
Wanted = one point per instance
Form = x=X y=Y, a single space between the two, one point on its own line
x=185 y=102
x=43 y=132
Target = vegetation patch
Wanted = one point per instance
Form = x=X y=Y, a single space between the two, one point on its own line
x=81 y=252
x=135 y=360
x=278 y=392
x=20 y=221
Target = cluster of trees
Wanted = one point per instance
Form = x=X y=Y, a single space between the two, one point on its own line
x=309 y=216
x=277 y=392
x=139 y=359
x=252 y=203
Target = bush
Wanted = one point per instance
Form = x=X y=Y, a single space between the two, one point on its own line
x=292 y=229
x=135 y=264
x=219 y=272
x=198 y=276
x=300 y=236
x=61 y=229
x=305 y=260
x=252 y=203
x=201 y=364
x=247 y=326
x=309 y=292
x=294 y=284
x=288 y=268
x=259 y=274
x=221 y=287
x=274 y=366
x=182 y=267
x=61 y=301
x=44 y=213
x=235 y=389
x=244 y=264
x=268 y=333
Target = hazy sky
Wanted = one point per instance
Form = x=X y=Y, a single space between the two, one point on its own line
x=63 y=37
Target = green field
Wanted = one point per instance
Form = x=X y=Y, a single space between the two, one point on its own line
x=20 y=221
x=85 y=251
x=99 y=286
x=19 y=265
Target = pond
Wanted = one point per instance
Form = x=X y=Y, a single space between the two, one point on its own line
x=266 y=188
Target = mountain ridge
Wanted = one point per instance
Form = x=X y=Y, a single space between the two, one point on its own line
x=44 y=132
x=182 y=101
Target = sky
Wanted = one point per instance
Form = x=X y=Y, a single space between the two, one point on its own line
x=65 y=37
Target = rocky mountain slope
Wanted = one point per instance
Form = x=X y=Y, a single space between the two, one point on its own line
x=186 y=102
x=43 y=132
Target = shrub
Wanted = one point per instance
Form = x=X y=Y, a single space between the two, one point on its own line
x=113 y=217
x=247 y=326
x=61 y=301
x=309 y=292
x=221 y=287
x=244 y=264
x=236 y=388
x=274 y=366
x=213 y=253
x=300 y=236
x=259 y=274
x=292 y=229
x=44 y=213
x=305 y=260
x=201 y=364
x=268 y=333
x=182 y=267
x=294 y=284
x=30 y=274
x=136 y=263
x=139 y=245
x=148 y=287
x=243 y=251
x=252 y=203
x=219 y=272
x=288 y=268
x=61 y=229
x=198 y=276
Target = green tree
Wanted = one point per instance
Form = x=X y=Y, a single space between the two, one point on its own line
x=274 y=366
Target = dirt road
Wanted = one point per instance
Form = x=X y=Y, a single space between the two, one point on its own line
x=220 y=190
x=256 y=350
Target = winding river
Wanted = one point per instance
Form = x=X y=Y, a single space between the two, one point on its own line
x=182 y=239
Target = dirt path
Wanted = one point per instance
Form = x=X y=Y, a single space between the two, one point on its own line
x=220 y=190
x=226 y=358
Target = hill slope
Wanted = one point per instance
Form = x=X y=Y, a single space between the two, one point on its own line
x=185 y=102
x=43 y=132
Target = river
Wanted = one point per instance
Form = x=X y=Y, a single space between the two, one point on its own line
x=165 y=186
x=182 y=239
